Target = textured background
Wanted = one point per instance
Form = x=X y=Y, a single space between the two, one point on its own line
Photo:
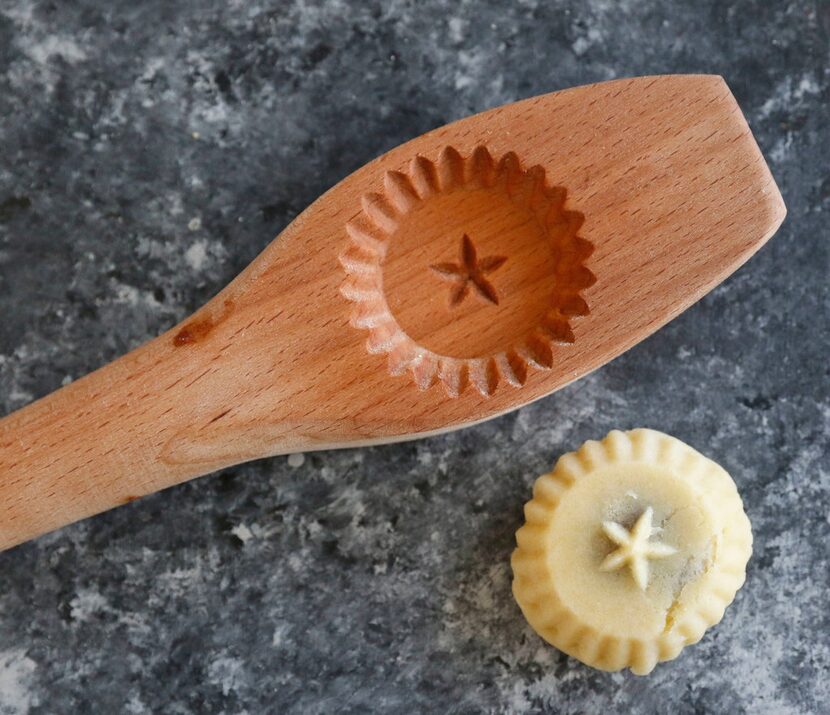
x=149 y=150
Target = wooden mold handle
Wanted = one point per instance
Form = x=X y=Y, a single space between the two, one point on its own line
x=98 y=442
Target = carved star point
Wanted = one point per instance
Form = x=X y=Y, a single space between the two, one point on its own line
x=470 y=272
x=635 y=550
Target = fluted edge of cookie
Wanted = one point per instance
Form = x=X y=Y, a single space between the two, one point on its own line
x=534 y=587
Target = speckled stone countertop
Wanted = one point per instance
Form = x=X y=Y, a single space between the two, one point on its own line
x=149 y=150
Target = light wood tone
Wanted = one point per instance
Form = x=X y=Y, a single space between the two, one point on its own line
x=653 y=191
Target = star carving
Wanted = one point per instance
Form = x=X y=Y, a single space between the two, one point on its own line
x=635 y=549
x=470 y=273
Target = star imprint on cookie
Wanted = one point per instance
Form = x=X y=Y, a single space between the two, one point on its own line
x=635 y=549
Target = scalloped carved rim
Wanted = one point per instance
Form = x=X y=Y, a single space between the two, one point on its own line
x=403 y=250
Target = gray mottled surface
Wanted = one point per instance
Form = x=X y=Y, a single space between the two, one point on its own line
x=149 y=150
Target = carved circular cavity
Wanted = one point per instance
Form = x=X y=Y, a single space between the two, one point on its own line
x=466 y=270
x=424 y=269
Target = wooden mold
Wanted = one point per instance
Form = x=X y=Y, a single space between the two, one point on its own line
x=461 y=275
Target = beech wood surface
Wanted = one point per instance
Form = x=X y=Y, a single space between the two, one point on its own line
x=459 y=276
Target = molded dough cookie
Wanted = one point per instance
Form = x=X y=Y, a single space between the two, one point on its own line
x=632 y=548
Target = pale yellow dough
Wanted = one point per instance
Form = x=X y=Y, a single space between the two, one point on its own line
x=632 y=548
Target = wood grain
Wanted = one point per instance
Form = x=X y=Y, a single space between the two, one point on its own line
x=595 y=215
